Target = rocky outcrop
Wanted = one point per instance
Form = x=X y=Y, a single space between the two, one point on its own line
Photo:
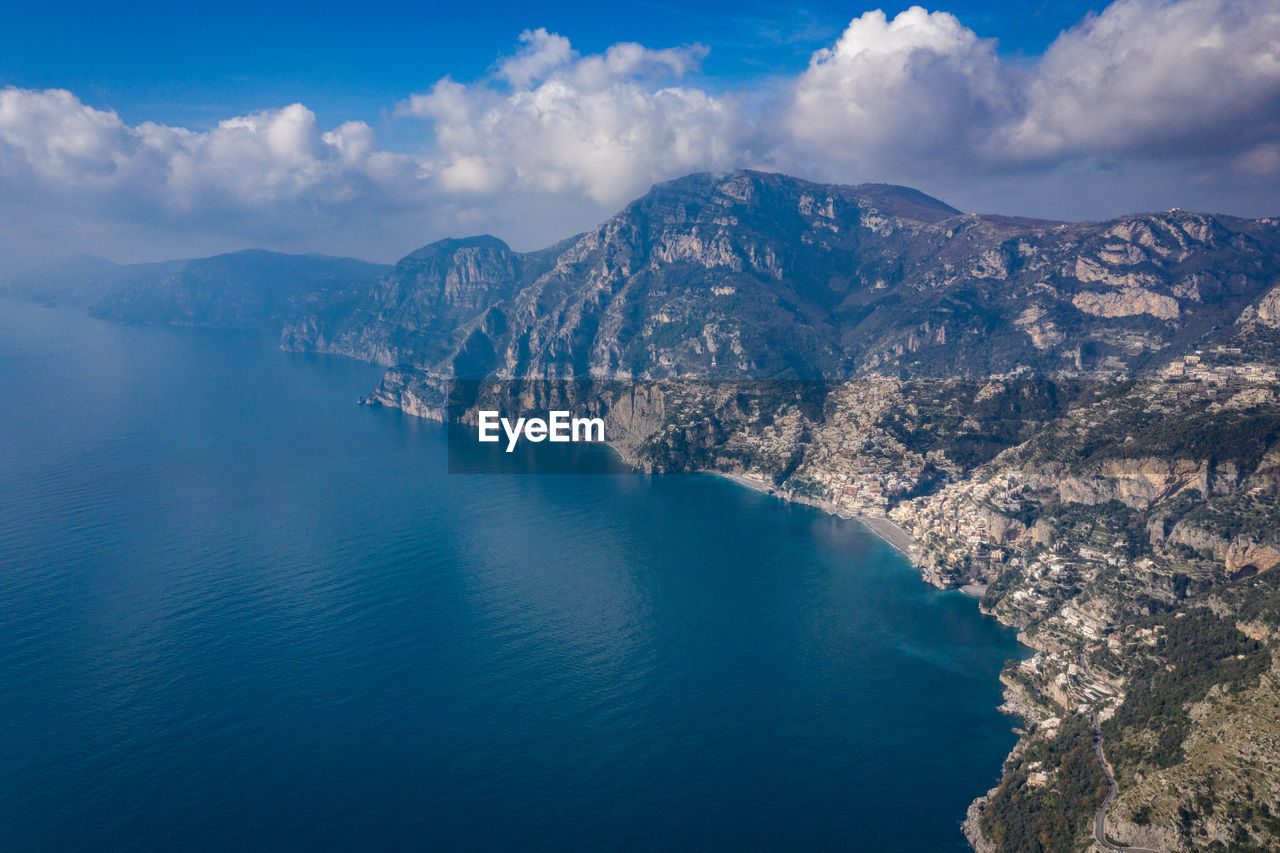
x=745 y=275
x=1240 y=556
x=425 y=310
x=755 y=275
x=1139 y=483
x=972 y=826
x=1266 y=312
x=1245 y=557
x=414 y=393
x=1126 y=303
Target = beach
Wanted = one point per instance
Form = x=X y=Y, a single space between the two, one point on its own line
x=888 y=531
x=881 y=526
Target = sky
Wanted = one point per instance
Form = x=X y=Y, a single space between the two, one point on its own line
x=169 y=130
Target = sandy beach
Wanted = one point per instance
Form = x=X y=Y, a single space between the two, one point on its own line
x=879 y=525
x=888 y=531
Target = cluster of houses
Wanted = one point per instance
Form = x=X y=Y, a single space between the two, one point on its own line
x=859 y=467
x=1069 y=685
x=955 y=525
x=1194 y=367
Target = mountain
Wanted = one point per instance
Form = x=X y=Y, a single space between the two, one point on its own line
x=426 y=307
x=69 y=281
x=735 y=276
x=763 y=276
x=252 y=289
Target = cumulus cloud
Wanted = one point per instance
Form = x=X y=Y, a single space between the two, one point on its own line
x=1145 y=79
x=1173 y=102
x=1151 y=78
x=893 y=92
x=542 y=53
x=53 y=145
x=605 y=125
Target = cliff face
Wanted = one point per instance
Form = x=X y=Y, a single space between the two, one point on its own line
x=743 y=275
x=1138 y=483
x=1266 y=312
x=752 y=275
x=423 y=310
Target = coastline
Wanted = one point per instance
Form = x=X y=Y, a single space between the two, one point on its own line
x=881 y=526
x=900 y=540
x=890 y=532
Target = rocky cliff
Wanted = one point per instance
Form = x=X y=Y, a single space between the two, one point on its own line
x=752 y=275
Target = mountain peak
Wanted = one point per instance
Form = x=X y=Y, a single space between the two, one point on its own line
x=752 y=188
x=905 y=202
x=449 y=245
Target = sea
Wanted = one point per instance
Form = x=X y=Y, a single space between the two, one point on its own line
x=240 y=611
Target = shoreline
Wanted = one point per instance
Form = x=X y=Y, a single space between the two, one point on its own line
x=898 y=539
x=890 y=532
x=883 y=527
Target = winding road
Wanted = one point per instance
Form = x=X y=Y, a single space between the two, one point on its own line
x=1100 y=819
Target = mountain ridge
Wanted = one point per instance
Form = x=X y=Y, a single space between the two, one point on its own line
x=826 y=281
x=247 y=289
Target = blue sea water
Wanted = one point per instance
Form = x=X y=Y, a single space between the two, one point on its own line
x=239 y=611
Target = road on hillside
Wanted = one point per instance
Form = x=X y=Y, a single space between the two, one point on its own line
x=1100 y=819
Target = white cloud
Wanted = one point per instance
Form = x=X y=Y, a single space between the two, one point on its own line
x=1146 y=79
x=49 y=135
x=53 y=144
x=606 y=126
x=890 y=93
x=543 y=52
x=1155 y=78
x=1170 y=102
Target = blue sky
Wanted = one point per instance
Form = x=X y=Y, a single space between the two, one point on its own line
x=158 y=130
x=193 y=63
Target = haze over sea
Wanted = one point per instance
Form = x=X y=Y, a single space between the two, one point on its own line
x=237 y=609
